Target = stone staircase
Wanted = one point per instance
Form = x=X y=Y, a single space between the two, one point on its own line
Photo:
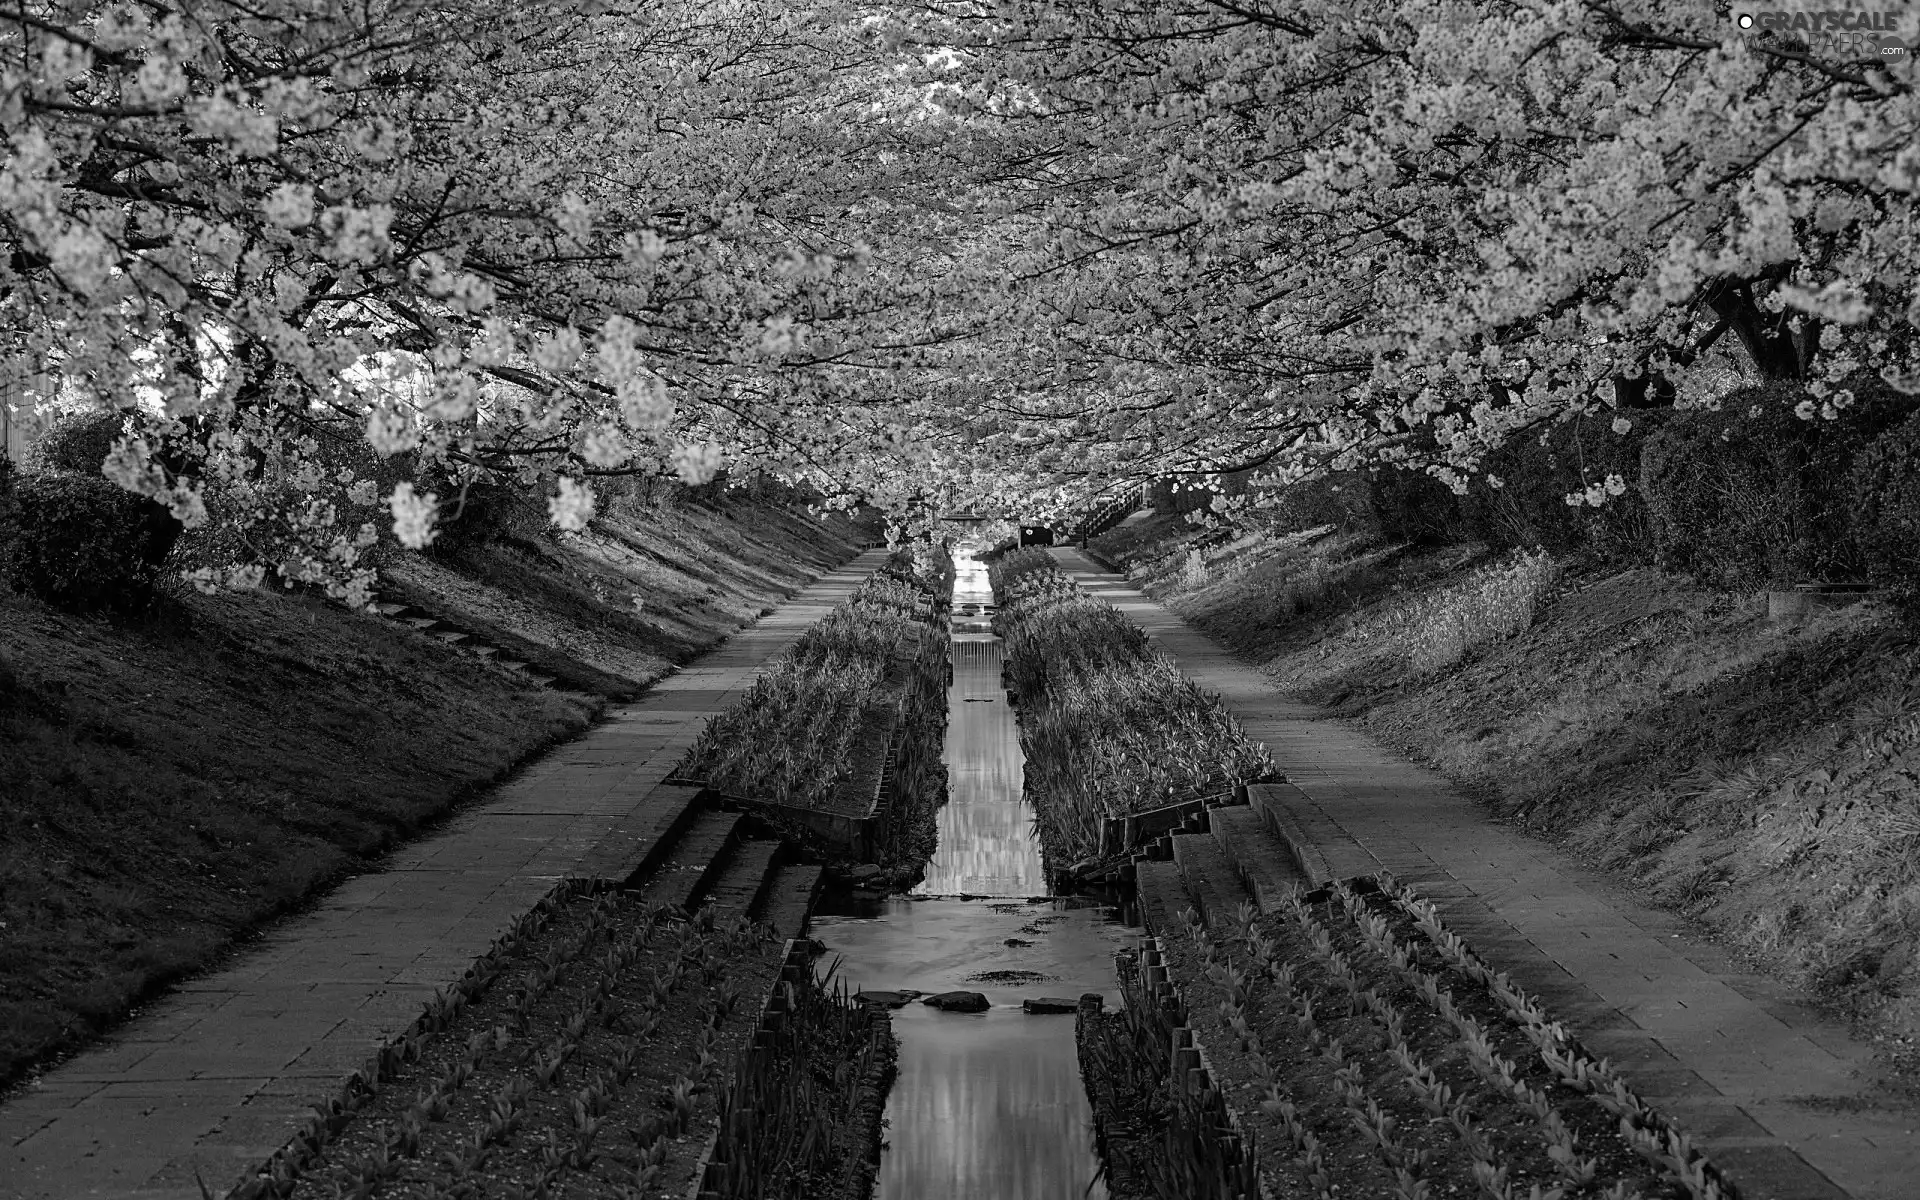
x=707 y=856
x=441 y=629
x=1229 y=856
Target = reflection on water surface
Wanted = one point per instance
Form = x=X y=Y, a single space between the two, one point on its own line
x=988 y=1106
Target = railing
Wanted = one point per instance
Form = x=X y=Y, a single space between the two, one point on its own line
x=1096 y=521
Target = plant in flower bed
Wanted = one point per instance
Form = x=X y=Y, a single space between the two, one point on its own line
x=577 y=1058
x=1109 y=724
x=919 y=776
x=804 y=1114
x=1386 y=1060
x=1156 y=1141
x=812 y=731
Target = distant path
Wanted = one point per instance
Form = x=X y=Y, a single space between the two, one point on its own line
x=1762 y=1082
x=216 y=1076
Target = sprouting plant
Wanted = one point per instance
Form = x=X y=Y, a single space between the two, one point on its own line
x=403 y=1141
x=1575 y=1168
x=546 y=1071
x=1408 y=1186
x=681 y=1097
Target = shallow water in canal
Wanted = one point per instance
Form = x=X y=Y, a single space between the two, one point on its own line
x=987 y=1106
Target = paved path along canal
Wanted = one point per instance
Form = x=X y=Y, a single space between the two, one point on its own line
x=1777 y=1095
x=214 y=1077
x=986 y=1104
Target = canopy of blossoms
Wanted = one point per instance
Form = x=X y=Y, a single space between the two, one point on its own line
x=933 y=256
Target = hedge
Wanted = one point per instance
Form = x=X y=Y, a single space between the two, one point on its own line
x=79 y=442
x=1538 y=470
x=81 y=543
x=1753 y=496
x=1883 y=490
x=1748 y=495
x=1412 y=506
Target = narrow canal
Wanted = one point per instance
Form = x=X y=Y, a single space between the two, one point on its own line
x=987 y=1106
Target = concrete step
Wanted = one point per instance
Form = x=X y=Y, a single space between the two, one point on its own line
x=789 y=898
x=389 y=609
x=1261 y=861
x=693 y=857
x=640 y=838
x=1321 y=849
x=448 y=636
x=1209 y=878
x=1162 y=894
x=421 y=622
x=741 y=880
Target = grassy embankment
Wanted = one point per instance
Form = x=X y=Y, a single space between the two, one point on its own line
x=1760 y=779
x=168 y=785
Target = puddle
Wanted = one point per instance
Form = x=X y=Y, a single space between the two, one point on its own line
x=986 y=1104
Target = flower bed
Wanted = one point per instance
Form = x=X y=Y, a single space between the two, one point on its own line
x=1159 y=1137
x=832 y=744
x=804 y=1115
x=1109 y=724
x=577 y=1057
x=1379 y=1057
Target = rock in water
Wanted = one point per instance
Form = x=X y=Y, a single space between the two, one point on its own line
x=890 y=999
x=968 y=1002
x=1043 y=1005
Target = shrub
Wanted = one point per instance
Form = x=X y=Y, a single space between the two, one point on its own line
x=11 y=684
x=81 y=543
x=1414 y=507
x=79 y=442
x=1752 y=495
x=1538 y=470
x=1342 y=499
x=1178 y=495
x=256 y=513
x=491 y=513
x=1883 y=488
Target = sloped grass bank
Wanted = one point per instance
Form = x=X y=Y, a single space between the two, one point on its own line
x=612 y=608
x=167 y=787
x=1757 y=778
x=1109 y=725
x=854 y=711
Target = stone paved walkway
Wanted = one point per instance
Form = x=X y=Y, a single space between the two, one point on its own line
x=1778 y=1096
x=215 y=1077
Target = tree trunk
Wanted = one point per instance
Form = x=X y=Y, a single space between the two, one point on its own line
x=1776 y=352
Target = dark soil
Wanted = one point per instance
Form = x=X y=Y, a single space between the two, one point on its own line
x=587 y=1067
x=1353 y=1046
x=1303 y=1072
